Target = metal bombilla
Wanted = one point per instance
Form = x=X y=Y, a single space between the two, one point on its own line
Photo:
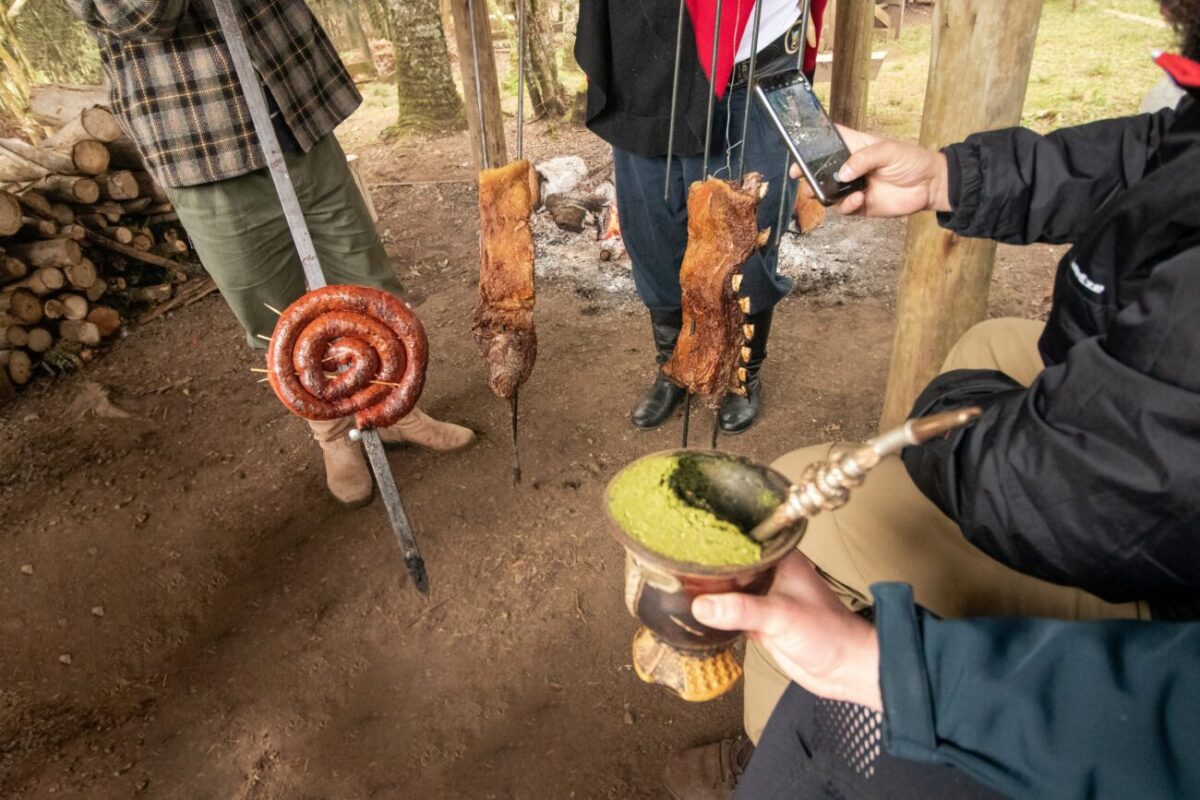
x=827 y=486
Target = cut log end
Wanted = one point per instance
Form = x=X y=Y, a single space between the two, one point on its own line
x=106 y=320
x=10 y=214
x=20 y=367
x=80 y=331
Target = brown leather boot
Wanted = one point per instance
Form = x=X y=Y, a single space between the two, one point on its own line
x=424 y=431
x=708 y=772
x=346 y=472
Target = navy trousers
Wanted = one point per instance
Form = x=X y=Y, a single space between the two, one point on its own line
x=655 y=232
x=816 y=748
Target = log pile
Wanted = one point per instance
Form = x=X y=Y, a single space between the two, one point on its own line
x=88 y=239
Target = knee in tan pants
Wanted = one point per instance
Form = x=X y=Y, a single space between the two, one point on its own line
x=1008 y=344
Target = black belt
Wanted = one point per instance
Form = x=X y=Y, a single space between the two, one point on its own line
x=785 y=46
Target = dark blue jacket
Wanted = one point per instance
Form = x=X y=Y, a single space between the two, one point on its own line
x=1027 y=708
x=1041 y=708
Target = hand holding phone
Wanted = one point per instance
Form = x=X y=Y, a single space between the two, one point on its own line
x=902 y=178
x=797 y=114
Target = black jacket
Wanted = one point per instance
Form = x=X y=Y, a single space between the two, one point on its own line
x=1091 y=476
x=627 y=50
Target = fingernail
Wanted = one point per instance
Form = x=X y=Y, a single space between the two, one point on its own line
x=705 y=609
x=845 y=173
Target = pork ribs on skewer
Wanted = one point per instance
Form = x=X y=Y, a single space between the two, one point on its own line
x=722 y=234
x=504 y=314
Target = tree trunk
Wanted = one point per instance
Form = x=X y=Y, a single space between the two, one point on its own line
x=570 y=13
x=424 y=85
x=546 y=93
x=354 y=28
x=855 y=31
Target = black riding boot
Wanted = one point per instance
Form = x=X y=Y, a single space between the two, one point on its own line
x=737 y=413
x=658 y=404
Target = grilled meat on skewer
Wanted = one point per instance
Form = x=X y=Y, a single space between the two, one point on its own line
x=504 y=314
x=722 y=234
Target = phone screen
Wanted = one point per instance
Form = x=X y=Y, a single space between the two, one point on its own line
x=811 y=135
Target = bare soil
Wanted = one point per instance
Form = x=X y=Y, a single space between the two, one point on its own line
x=232 y=632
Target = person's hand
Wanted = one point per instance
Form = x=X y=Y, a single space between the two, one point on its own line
x=902 y=178
x=817 y=642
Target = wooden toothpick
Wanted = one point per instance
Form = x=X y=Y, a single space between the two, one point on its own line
x=329 y=375
x=278 y=313
x=264 y=338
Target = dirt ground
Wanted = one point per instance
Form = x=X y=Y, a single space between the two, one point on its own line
x=233 y=633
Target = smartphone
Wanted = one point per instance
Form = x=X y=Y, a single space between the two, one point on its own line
x=810 y=134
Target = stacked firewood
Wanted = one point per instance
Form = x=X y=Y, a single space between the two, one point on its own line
x=88 y=239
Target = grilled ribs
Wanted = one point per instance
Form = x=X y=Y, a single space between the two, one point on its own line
x=503 y=326
x=722 y=233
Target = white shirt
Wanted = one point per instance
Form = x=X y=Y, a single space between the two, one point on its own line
x=777 y=17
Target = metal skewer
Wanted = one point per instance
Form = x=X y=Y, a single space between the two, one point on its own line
x=516 y=469
x=712 y=93
x=483 y=153
x=520 y=79
x=513 y=406
x=313 y=276
x=674 y=101
x=687 y=418
x=749 y=89
x=716 y=429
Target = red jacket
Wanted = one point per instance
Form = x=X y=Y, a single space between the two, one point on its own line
x=736 y=16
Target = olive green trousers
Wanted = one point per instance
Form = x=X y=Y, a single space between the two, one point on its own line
x=889 y=531
x=239 y=231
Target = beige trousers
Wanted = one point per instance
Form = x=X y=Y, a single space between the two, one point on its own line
x=889 y=531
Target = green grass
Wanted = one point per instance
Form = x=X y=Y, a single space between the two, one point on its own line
x=1087 y=65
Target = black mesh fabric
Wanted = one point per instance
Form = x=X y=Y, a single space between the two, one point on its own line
x=852 y=733
x=816 y=748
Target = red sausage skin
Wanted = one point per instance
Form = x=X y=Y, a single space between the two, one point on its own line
x=360 y=334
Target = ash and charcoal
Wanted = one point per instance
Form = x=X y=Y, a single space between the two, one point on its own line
x=827 y=263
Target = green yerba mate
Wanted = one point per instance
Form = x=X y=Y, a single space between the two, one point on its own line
x=648 y=508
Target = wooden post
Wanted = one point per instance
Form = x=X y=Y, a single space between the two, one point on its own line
x=853 y=34
x=895 y=11
x=978 y=74
x=493 y=121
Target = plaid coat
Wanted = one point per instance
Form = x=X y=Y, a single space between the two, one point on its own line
x=173 y=86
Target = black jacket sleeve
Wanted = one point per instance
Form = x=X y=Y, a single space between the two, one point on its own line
x=1087 y=477
x=1040 y=708
x=1018 y=187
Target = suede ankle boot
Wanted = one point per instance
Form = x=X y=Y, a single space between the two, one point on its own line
x=420 y=429
x=346 y=472
x=738 y=413
x=660 y=401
